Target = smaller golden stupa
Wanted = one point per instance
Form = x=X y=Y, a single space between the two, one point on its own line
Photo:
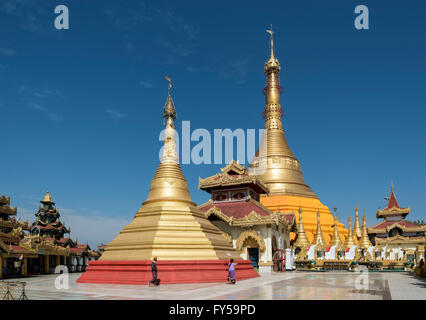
x=335 y=239
x=350 y=241
x=364 y=242
x=319 y=239
x=302 y=240
x=357 y=229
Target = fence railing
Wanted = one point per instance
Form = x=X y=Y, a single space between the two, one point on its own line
x=13 y=290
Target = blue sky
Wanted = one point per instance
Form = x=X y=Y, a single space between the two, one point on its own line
x=81 y=108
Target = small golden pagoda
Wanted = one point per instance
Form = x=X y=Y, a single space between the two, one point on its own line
x=364 y=241
x=335 y=240
x=357 y=228
x=277 y=165
x=350 y=241
x=302 y=240
x=319 y=239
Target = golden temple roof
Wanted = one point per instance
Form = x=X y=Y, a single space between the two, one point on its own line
x=274 y=161
x=232 y=174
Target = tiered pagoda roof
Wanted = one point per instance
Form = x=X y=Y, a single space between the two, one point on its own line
x=48 y=220
x=247 y=213
x=392 y=208
x=233 y=174
x=241 y=207
x=11 y=232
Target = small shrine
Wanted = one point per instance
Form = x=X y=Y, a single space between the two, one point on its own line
x=403 y=240
x=13 y=252
x=235 y=209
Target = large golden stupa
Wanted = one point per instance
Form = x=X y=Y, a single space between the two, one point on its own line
x=169 y=226
x=280 y=169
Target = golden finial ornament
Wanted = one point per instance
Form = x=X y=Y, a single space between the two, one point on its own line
x=364 y=242
x=274 y=151
x=350 y=242
x=357 y=228
x=47 y=198
x=271 y=32
x=335 y=239
x=302 y=240
x=319 y=239
x=169 y=107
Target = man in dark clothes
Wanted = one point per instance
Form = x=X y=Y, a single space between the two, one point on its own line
x=154 y=273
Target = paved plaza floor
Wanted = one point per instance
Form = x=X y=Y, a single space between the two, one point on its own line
x=277 y=286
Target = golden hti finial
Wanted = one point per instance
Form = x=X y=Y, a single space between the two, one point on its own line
x=319 y=239
x=335 y=239
x=364 y=242
x=357 y=229
x=349 y=242
x=302 y=240
x=169 y=107
x=169 y=154
x=271 y=32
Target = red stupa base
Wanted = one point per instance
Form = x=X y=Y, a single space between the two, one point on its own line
x=169 y=271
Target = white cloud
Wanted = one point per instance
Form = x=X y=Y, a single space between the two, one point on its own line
x=115 y=114
x=146 y=84
x=7 y=51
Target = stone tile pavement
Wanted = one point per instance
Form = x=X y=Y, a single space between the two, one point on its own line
x=276 y=286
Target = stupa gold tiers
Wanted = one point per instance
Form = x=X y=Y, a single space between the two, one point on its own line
x=169 y=226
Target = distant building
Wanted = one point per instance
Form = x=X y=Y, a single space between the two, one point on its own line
x=401 y=238
x=47 y=246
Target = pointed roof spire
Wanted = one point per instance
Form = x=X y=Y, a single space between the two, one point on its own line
x=350 y=241
x=169 y=182
x=47 y=198
x=319 y=237
x=364 y=242
x=335 y=239
x=302 y=240
x=357 y=228
x=392 y=207
x=169 y=107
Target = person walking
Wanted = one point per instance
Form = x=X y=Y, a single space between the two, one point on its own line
x=231 y=271
x=154 y=281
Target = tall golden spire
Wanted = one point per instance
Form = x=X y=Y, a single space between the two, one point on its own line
x=357 y=228
x=302 y=240
x=274 y=160
x=335 y=239
x=364 y=242
x=168 y=224
x=350 y=242
x=169 y=182
x=319 y=237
